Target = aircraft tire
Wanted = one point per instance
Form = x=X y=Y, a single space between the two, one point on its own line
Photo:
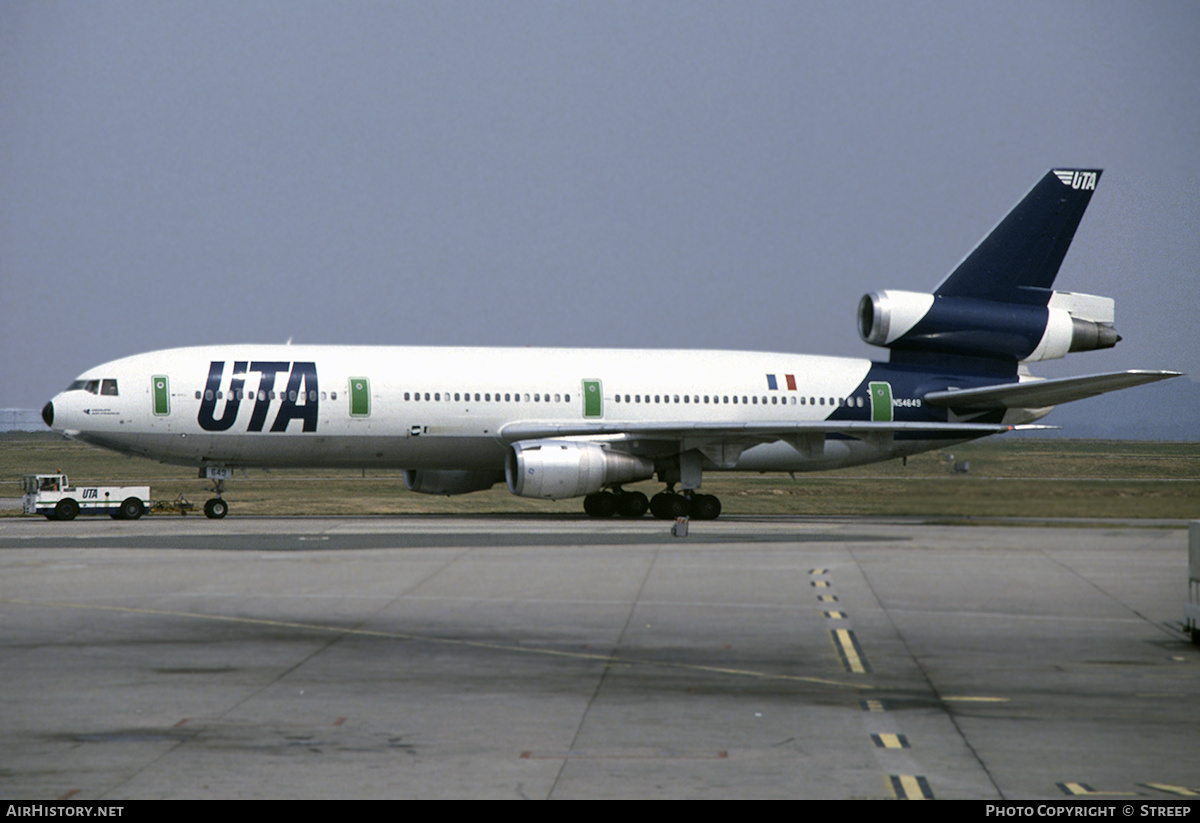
x=706 y=507
x=668 y=506
x=131 y=509
x=632 y=504
x=600 y=504
x=66 y=509
x=216 y=508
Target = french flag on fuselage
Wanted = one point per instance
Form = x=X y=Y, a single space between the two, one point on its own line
x=773 y=384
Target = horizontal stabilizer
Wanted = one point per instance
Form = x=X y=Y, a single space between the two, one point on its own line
x=1038 y=394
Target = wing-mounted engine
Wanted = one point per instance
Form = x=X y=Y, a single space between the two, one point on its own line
x=450 y=482
x=994 y=329
x=554 y=469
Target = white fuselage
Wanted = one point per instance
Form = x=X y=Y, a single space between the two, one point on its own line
x=446 y=408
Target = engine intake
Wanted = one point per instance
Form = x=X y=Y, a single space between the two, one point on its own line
x=554 y=469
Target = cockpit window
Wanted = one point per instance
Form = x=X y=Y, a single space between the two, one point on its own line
x=107 y=386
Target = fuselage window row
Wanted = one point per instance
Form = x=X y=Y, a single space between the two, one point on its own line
x=486 y=397
x=745 y=400
x=262 y=394
x=511 y=397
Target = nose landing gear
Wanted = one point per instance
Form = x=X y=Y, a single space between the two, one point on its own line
x=216 y=507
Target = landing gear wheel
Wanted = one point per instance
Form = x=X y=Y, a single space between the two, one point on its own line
x=705 y=507
x=601 y=504
x=216 y=508
x=632 y=504
x=668 y=506
x=66 y=510
x=131 y=509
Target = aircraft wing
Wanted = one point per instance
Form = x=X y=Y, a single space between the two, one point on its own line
x=764 y=431
x=1041 y=393
x=723 y=442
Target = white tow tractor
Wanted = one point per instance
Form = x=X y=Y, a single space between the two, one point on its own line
x=54 y=496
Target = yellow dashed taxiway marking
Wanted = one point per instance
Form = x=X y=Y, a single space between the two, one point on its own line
x=848 y=649
x=1182 y=791
x=910 y=787
x=1078 y=789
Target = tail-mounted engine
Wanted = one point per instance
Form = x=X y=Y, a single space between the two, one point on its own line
x=979 y=327
x=554 y=469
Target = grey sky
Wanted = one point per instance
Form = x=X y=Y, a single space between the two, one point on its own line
x=645 y=174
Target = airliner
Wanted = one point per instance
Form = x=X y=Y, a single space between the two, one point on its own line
x=560 y=423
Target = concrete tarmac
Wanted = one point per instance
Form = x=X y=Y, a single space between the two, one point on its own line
x=551 y=657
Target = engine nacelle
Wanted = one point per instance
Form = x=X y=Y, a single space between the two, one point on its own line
x=449 y=482
x=554 y=469
x=976 y=327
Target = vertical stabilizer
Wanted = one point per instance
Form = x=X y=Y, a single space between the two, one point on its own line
x=1018 y=261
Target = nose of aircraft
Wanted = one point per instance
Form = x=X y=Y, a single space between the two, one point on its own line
x=48 y=414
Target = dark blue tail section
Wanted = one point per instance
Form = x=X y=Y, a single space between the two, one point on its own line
x=997 y=309
x=1018 y=261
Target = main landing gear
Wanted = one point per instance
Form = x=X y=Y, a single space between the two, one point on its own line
x=666 y=505
x=606 y=504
